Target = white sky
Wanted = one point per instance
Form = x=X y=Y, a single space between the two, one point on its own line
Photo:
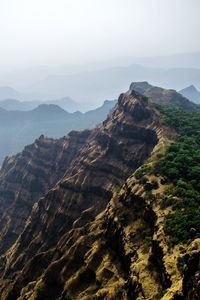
x=38 y=32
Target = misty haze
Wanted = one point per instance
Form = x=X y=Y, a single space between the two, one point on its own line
x=99 y=150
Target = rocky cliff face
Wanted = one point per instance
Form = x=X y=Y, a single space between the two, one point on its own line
x=24 y=178
x=94 y=229
x=122 y=254
x=81 y=172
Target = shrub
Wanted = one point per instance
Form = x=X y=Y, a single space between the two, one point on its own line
x=180 y=165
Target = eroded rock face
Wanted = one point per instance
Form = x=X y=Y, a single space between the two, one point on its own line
x=24 y=178
x=81 y=172
x=121 y=254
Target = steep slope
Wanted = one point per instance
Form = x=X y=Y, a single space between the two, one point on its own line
x=107 y=156
x=27 y=176
x=162 y=96
x=96 y=115
x=191 y=93
x=124 y=253
x=121 y=220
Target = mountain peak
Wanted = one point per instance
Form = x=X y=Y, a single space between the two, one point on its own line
x=191 y=88
x=50 y=108
x=163 y=96
x=191 y=93
x=143 y=85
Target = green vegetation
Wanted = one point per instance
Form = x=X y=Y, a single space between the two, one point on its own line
x=139 y=173
x=180 y=165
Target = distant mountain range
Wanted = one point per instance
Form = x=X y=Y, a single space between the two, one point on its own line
x=19 y=128
x=90 y=83
x=26 y=77
x=191 y=93
x=107 y=83
x=8 y=92
x=12 y=104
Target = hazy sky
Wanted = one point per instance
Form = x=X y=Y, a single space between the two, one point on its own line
x=39 y=32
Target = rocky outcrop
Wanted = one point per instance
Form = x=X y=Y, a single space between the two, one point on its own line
x=82 y=172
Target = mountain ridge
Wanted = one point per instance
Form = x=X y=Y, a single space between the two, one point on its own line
x=109 y=82
x=108 y=209
x=13 y=104
x=19 y=128
x=83 y=169
x=163 y=96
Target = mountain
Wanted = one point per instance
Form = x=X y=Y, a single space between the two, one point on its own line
x=191 y=93
x=92 y=83
x=162 y=96
x=12 y=104
x=93 y=162
x=108 y=83
x=66 y=103
x=102 y=213
x=19 y=128
x=26 y=77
